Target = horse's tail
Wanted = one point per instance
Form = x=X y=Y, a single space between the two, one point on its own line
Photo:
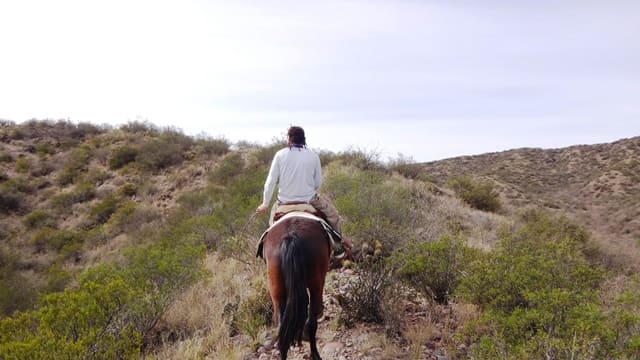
x=294 y=270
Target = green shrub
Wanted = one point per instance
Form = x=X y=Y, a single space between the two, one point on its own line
x=369 y=297
x=23 y=164
x=102 y=211
x=264 y=154
x=358 y=158
x=372 y=208
x=10 y=201
x=221 y=216
x=478 y=194
x=538 y=293
x=254 y=312
x=81 y=193
x=128 y=190
x=61 y=241
x=212 y=146
x=175 y=136
x=407 y=168
x=122 y=156
x=44 y=148
x=77 y=162
x=623 y=318
x=434 y=268
x=122 y=216
x=136 y=127
x=5 y=157
x=112 y=308
x=97 y=177
x=20 y=184
x=230 y=167
x=44 y=168
x=86 y=322
x=159 y=154
x=16 y=293
x=37 y=218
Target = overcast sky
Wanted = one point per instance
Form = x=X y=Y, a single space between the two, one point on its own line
x=427 y=79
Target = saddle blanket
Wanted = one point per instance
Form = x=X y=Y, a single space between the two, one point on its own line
x=334 y=236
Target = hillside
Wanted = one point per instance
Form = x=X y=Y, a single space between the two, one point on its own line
x=138 y=242
x=597 y=185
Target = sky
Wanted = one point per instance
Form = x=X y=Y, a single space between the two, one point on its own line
x=425 y=79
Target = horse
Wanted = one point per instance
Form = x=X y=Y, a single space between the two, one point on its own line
x=296 y=251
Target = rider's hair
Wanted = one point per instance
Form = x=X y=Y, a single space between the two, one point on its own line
x=296 y=135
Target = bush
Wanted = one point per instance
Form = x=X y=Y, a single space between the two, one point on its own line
x=44 y=168
x=102 y=211
x=44 y=148
x=23 y=164
x=253 y=313
x=77 y=162
x=538 y=293
x=407 y=168
x=623 y=318
x=111 y=311
x=358 y=158
x=81 y=193
x=159 y=154
x=136 y=127
x=212 y=146
x=370 y=297
x=37 y=218
x=434 y=268
x=5 y=157
x=372 y=209
x=478 y=194
x=61 y=241
x=128 y=190
x=221 y=217
x=122 y=156
x=16 y=293
x=10 y=201
x=230 y=167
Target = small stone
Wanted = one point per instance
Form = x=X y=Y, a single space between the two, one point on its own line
x=332 y=348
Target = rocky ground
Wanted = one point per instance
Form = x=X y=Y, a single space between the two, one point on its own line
x=431 y=324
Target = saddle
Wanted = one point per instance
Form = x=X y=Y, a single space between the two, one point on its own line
x=334 y=236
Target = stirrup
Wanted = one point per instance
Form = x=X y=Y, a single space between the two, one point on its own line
x=339 y=254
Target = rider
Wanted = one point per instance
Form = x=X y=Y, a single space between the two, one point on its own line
x=296 y=169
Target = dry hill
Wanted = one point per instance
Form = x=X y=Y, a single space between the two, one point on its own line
x=597 y=185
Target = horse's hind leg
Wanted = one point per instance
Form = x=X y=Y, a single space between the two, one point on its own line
x=315 y=309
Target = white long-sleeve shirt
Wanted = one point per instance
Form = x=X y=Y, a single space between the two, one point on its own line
x=298 y=174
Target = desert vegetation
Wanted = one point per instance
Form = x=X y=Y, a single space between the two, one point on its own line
x=139 y=242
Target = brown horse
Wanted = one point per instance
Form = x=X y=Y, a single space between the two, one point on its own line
x=296 y=251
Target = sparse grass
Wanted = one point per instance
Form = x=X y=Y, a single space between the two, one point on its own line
x=205 y=327
x=417 y=335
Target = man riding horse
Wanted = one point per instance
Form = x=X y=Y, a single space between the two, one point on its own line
x=297 y=171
